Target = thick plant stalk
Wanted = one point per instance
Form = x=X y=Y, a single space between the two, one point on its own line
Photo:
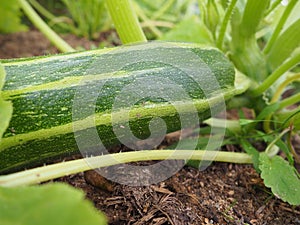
x=246 y=53
x=44 y=28
x=126 y=21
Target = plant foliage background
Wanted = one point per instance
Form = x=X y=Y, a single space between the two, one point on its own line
x=262 y=39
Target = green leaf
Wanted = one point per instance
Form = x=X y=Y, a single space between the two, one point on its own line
x=190 y=30
x=267 y=111
x=49 y=204
x=245 y=122
x=251 y=151
x=284 y=147
x=249 y=125
x=5 y=107
x=90 y=17
x=289 y=117
x=281 y=178
x=10 y=17
x=269 y=138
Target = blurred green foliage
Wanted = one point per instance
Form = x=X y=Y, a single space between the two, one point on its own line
x=10 y=17
x=89 y=17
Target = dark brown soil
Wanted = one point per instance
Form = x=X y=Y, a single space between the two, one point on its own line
x=222 y=194
x=33 y=43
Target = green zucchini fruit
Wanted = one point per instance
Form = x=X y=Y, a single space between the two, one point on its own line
x=42 y=91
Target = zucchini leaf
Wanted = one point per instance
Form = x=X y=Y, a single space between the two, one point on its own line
x=47 y=204
x=10 y=17
x=5 y=107
x=281 y=177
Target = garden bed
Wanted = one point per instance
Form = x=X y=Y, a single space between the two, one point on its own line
x=222 y=194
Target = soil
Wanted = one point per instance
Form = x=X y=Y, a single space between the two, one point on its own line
x=33 y=43
x=221 y=194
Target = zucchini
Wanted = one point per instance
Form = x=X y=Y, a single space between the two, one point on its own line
x=43 y=91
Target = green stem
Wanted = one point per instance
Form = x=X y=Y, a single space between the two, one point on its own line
x=272 y=149
x=282 y=87
x=232 y=125
x=286 y=102
x=45 y=173
x=140 y=13
x=44 y=12
x=163 y=9
x=126 y=21
x=289 y=101
x=280 y=25
x=291 y=147
x=44 y=28
x=245 y=52
x=273 y=6
x=53 y=19
x=225 y=22
x=276 y=74
x=157 y=23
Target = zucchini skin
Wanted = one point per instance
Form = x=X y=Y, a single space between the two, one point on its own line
x=43 y=89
